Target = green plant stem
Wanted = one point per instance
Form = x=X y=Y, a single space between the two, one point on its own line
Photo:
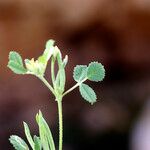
x=75 y=86
x=59 y=102
x=47 y=84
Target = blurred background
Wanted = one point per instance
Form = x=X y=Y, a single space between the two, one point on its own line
x=113 y=32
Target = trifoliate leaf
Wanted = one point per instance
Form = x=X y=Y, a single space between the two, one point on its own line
x=80 y=73
x=28 y=135
x=95 y=71
x=87 y=93
x=18 y=143
x=15 y=63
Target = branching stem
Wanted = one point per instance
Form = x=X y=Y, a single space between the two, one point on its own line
x=75 y=86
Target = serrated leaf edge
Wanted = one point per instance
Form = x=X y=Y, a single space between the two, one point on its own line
x=75 y=69
x=83 y=95
x=102 y=67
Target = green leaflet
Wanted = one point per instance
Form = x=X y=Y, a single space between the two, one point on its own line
x=80 y=73
x=46 y=138
x=60 y=81
x=18 y=143
x=43 y=138
x=65 y=61
x=14 y=56
x=49 y=50
x=87 y=93
x=44 y=142
x=15 y=63
x=37 y=143
x=49 y=44
x=28 y=135
x=38 y=67
x=48 y=135
x=96 y=71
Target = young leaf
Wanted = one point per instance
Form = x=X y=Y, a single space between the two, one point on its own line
x=14 y=56
x=45 y=133
x=60 y=81
x=87 y=93
x=43 y=138
x=49 y=44
x=28 y=135
x=15 y=63
x=18 y=143
x=65 y=61
x=95 y=71
x=49 y=50
x=38 y=67
x=37 y=145
x=48 y=134
x=80 y=73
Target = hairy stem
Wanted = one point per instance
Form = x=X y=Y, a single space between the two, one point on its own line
x=75 y=86
x=59 y=102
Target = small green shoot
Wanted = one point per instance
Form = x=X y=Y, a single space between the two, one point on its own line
x=93 y=72
x=18 y=143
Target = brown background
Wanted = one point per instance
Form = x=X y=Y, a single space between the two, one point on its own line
x=115 y=33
